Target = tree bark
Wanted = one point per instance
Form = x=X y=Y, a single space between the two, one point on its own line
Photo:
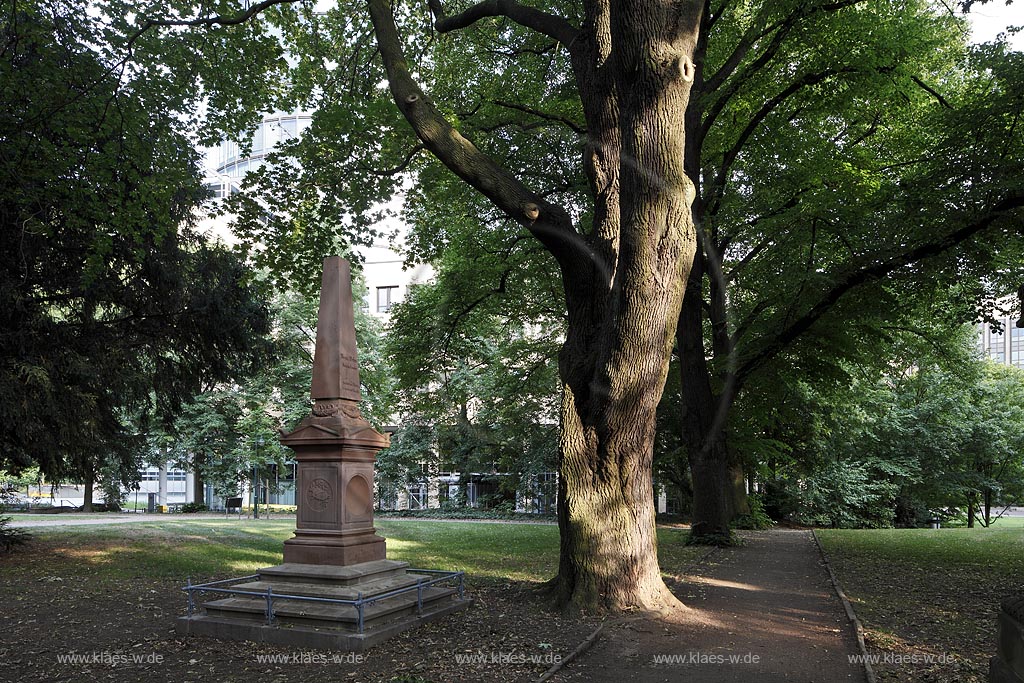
x=624 y=275
x=88 y=484
x=701 y=429
x=718 y=493
x=198 y=485
x=624 y=278
x=737 y=485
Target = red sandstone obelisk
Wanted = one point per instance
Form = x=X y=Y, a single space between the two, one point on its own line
x=334 y=446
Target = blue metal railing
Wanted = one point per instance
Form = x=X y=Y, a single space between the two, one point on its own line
x=359 y=603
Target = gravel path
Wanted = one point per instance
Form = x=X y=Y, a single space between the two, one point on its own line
x=764 y=612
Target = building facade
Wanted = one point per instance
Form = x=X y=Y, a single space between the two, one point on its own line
x=1004 y=345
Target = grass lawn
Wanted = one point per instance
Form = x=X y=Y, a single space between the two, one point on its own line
x=114 y=590
x=1014 y=522
x=203 y=548
x=926 y=592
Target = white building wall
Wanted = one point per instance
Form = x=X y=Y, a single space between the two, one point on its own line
x=387 y=281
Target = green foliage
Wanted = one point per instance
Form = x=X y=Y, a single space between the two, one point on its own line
x=11 y=536
x=479 y=366
x=193 y=507
x=115 y=311
x=848 y=494
x=757 y=518
x=455 y=512
x=933 y=430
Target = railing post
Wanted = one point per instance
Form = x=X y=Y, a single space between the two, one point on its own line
x=270 y=606
x=359 y=608
x=462 y=590
x=191 y=599
x=419 y=597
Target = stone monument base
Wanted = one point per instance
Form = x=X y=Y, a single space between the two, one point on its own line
x=335 y=548
x=1008 y=665
x=325 y=625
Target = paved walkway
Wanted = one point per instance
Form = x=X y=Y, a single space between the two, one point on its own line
x=74 y=519
x=764 y=612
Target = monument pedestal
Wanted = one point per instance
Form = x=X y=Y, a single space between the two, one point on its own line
x=334 y=457
x=335 y=588
x=321 y=624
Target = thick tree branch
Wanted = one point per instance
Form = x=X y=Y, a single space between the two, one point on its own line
x=859 y=274
x=549 y=223
x=550 y=25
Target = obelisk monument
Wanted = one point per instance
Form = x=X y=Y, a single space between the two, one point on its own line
x=335 y=446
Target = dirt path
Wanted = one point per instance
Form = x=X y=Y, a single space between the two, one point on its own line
x=764 y=612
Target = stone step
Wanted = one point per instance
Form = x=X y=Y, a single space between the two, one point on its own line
x=325 y=615
x=303 y=636
x=375 y=586
x=332 y=574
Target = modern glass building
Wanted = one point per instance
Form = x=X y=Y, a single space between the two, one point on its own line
x=1003 y=346
x=230 y=163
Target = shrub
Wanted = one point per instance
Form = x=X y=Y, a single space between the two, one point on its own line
x=10 y=536
x=756 y=519
x=193 y=507
x=464 y=513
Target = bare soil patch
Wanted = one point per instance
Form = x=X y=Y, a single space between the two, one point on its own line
x=51 y=609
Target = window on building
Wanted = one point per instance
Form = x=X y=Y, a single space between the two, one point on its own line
x=259 y=139
x=1016 y=346
x=417 y=496
x=288 y=128
x=386 y=296
x=997 y=346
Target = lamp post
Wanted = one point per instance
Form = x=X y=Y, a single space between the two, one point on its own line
x=256 y=480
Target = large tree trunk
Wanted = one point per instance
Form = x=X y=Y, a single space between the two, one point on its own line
x=198 y=485
x=608 y=557
x=88 y=484
x=718 y=492
x=701 y=428
x=737 y=485
x=624 y=275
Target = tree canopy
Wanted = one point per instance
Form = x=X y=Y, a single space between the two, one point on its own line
x=728 y=185
x=113 y=309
